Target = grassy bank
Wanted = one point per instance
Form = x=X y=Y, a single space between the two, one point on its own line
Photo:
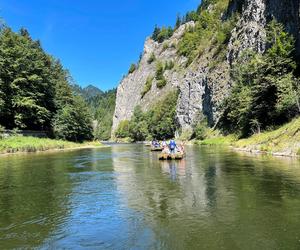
x=220 y=140
x=20 y=144
x=282 y=141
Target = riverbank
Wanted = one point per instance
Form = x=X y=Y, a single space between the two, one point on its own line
x=284 y=141
x=20 y=144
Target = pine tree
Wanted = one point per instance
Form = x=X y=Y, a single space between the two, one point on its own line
x=265 y=92
x=155 y=33
x=35 y=90
x=178 y=21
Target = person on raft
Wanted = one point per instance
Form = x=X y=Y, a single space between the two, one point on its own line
x=172 y=146
x=164 y=143
x=166 y=150
x=181 y=148
x=155 y=144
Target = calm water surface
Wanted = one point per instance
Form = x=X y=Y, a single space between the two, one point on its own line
x=124 y=198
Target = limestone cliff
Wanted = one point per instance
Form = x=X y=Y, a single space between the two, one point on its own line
x=204 y=83
x=130 y=89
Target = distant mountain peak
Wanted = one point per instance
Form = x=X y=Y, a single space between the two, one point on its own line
x=90 y=86
x=87 y=92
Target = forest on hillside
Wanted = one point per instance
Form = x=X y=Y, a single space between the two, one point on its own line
x=37 y=93
x=102 y=105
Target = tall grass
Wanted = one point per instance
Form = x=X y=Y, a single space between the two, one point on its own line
x=220 y=140
x=285 y=139
x=16 y=144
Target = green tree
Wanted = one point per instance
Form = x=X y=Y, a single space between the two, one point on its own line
x=155 y=33
x=123 y=130
x=265 y=91
x=159 y=122
x=24 y=74
x=162 y=117
x=274 y=74
x=61 y=79
x=191 y=16
x=178 y=21
x=35 y=90
x=164 y=34
x=132 y=68
x=105 y=107
x=138 y=127
x=74 y=121
x=209 y=31
x=2 y=97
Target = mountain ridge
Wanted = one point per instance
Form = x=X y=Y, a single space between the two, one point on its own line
x=87 y=92
x=203 y=74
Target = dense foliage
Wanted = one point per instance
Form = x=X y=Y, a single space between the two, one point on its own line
x=104 y=106
x=147 y=86
x=159 y=75
x=34 y=87
x=159 y=122
x=266 y=92
x=209 y=31
x=123 y=130
x=162 y=34
x=70 y=124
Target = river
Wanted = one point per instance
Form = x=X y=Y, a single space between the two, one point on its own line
x=122 y=197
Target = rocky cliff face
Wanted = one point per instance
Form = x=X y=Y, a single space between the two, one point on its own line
x=130 y=89
x=255 y=14
x=202 y=86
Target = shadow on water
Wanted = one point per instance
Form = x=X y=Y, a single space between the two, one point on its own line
x=123 y=197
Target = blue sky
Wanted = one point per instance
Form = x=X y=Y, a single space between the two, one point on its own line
x=96 y=40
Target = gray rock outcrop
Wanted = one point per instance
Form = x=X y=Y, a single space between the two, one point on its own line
x=202 y=87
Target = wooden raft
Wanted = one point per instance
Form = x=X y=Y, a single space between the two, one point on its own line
x=156 y=149
x=177 y=156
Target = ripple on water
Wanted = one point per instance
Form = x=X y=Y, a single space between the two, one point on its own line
x=124 y=198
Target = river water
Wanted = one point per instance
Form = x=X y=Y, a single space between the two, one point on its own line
x=122 y=197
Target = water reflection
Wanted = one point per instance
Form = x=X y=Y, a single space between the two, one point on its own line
x=124 y=198
x=210 y=176
x=33 y=198
x=212 y=194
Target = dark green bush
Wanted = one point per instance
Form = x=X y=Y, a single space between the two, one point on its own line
x=160 y=35
x=123 y=130
x=147 y=86
x=161 y=80
x=152 y=58
x=161 y=83
x=132 y=68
